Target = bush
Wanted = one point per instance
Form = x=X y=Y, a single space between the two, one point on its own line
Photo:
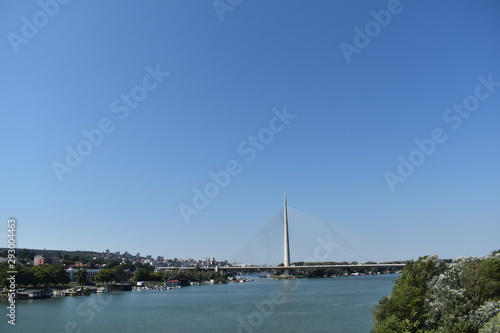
x=492 y=326
x=404 y=309
x=431 y=296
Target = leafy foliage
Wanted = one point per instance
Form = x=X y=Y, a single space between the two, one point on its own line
x=81 y=277
x=403 y=310
x=194 y=275
x=431 y=296
x=142 y=274
x=29 y=275
x=492 y=326
x=51 y=274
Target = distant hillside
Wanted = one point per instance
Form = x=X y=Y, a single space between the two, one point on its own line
x=29 y=254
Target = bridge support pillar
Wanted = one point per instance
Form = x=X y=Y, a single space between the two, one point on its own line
x=286 y=243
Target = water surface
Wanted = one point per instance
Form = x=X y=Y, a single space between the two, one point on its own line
x=264 y=305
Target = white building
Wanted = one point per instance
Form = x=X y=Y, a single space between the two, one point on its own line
x=91 y=273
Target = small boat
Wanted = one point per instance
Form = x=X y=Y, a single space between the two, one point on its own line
x=101 y=290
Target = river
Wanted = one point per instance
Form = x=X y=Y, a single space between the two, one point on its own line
x=263 y=305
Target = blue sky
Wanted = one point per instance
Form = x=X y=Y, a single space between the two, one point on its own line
x=350 y=117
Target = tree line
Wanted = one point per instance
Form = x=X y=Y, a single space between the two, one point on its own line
x=51 y=275
x=432 y=295
x=327 y=272
x=177 y=274
x=35 y=275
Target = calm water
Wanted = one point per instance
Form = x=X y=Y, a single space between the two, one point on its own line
x=264 y=305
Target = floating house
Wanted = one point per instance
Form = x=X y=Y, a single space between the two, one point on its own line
x=34 y=293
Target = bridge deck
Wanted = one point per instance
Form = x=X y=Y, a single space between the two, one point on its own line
x=289 y=267
x=316 y=266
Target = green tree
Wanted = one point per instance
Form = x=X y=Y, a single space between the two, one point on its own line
x=24 y=255
x=489 y=278
x=81 y=277
x=57 y=274
x=26 y=276
x=404 y=310
x=120 y=274
x=4 y=267
x=42 y=274
x=105 y=275
x=51 y=274
x=142 y=274
x=61 y=275
x=112 y=263
x=458 y=296
x=463 y=298
x=492 y=326
x=157 y=276
x=496 y=252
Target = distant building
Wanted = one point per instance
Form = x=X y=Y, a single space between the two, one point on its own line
x=176 y=283
x=43 y=259
x=91 y=273
x=160 y=258
x=148 y=257
x=107 y=251
x=159 y=264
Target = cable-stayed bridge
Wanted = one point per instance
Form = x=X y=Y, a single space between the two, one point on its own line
x=326 y=244
x=306 y=239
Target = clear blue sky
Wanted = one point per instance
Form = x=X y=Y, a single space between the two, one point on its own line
x=226 y=76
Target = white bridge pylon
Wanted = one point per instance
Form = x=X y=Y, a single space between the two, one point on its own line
x=286 y=241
